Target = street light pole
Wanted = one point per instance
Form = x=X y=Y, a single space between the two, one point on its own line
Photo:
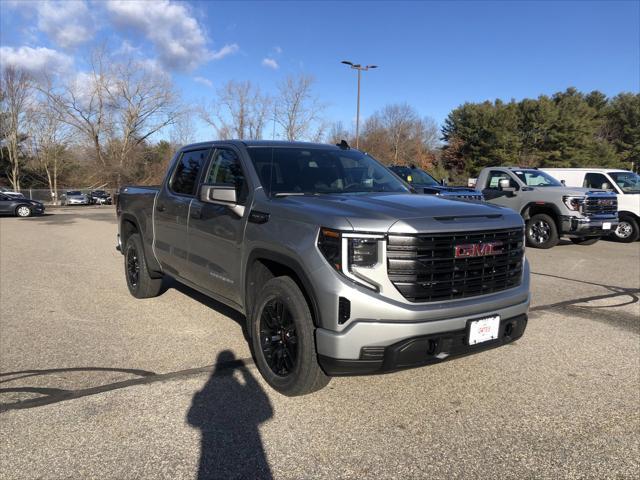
x=359 y=68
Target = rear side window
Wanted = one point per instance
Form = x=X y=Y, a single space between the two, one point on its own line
x=185 y=177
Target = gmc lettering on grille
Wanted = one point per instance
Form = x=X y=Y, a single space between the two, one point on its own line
x=478 y=249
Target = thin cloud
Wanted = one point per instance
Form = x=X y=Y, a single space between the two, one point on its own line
x=225 y=51
x=270 y=63
x=203 y=81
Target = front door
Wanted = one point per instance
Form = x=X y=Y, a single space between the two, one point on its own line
x=171 y=211
x=492 y=192
x=216 y=232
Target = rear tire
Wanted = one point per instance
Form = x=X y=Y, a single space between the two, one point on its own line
x=627 y=230
x=23 y=211
x=282 y=339
x=584 y=240
x=139 y=280
x=541 y=232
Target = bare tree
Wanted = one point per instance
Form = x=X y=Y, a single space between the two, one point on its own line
x=84 y=104
x=142 y=103
x=239 y=111
x=182 y=132
x=298 y=111
x=15 y=94
x=396 y=134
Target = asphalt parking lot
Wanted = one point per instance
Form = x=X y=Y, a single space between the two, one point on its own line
x=97 y=384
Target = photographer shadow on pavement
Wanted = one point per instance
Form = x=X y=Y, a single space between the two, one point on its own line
x=228 y=412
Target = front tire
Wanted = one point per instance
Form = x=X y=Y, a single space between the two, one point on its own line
x=282 y=339
x=139 y=280
x=23 y=211
x=542 y=232
x=584 y=240
x=627 y=230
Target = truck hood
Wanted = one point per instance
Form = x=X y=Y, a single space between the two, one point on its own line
x=396 y=213
x=576 y=191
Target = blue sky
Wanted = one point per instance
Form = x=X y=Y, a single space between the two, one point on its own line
x=433 y=55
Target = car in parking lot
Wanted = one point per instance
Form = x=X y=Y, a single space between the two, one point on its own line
x=19 y=206
x=76 y=197
x=423 y=182
x=100 y=197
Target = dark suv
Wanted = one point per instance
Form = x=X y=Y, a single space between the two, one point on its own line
x=422 y=182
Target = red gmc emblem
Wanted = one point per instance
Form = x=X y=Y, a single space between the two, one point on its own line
x=478 y=249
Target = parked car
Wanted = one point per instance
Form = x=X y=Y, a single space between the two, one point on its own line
x=11 y=193
x=422 y=182
x=100 y=197
x=76 y=197
x=549 y=208
x=625 y=184
x=19 y=206
x=337 y=266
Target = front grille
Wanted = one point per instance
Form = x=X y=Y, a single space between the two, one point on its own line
x=600 y=205
x=473 y=197
x=424 y=268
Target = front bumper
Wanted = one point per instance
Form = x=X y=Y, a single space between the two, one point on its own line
x=421 y=350
x=588 y=226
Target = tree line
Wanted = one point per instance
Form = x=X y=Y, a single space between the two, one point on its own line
x=567 y=129
x=120 y=122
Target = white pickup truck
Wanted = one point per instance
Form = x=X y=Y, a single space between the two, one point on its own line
x=625 y=184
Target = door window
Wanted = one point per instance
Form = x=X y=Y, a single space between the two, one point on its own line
x=495 y=176
x=226 y=170
x=185 y=177
x=597 y=180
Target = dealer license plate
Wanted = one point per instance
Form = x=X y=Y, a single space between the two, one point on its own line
x=484 y=329
x=606 y=226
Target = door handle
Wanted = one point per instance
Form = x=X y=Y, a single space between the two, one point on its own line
x=161 y=208
x=196 y=213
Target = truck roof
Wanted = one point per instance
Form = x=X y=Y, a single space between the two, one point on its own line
x=261 y=143
x=587 y=169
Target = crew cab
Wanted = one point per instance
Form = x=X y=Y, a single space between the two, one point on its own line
x=550 y=208
x=337 y=266
x=422 y=182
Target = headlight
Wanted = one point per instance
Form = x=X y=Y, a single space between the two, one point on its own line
x=348 y=252
x=573 y=203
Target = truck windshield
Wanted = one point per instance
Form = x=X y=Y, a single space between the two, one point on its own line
x=628 y=182
x=536 y=178
x=303 y=170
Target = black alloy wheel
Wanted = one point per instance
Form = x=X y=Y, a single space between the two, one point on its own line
x=278 y=338
x=133 y=266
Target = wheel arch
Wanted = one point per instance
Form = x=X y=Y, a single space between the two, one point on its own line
x=534 y=208
x=263 y=265
x=129 y=225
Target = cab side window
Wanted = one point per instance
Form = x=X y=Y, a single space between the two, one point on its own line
x=184 y=180
x=226 y=169
x=597 y=180
x=493 y=180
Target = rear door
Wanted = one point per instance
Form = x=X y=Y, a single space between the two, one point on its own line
x=171 y=211
x=7 y=204
x=216 y=232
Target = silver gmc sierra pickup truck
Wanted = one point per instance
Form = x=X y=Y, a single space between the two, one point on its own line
x=549 y=208
x=338 y=268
